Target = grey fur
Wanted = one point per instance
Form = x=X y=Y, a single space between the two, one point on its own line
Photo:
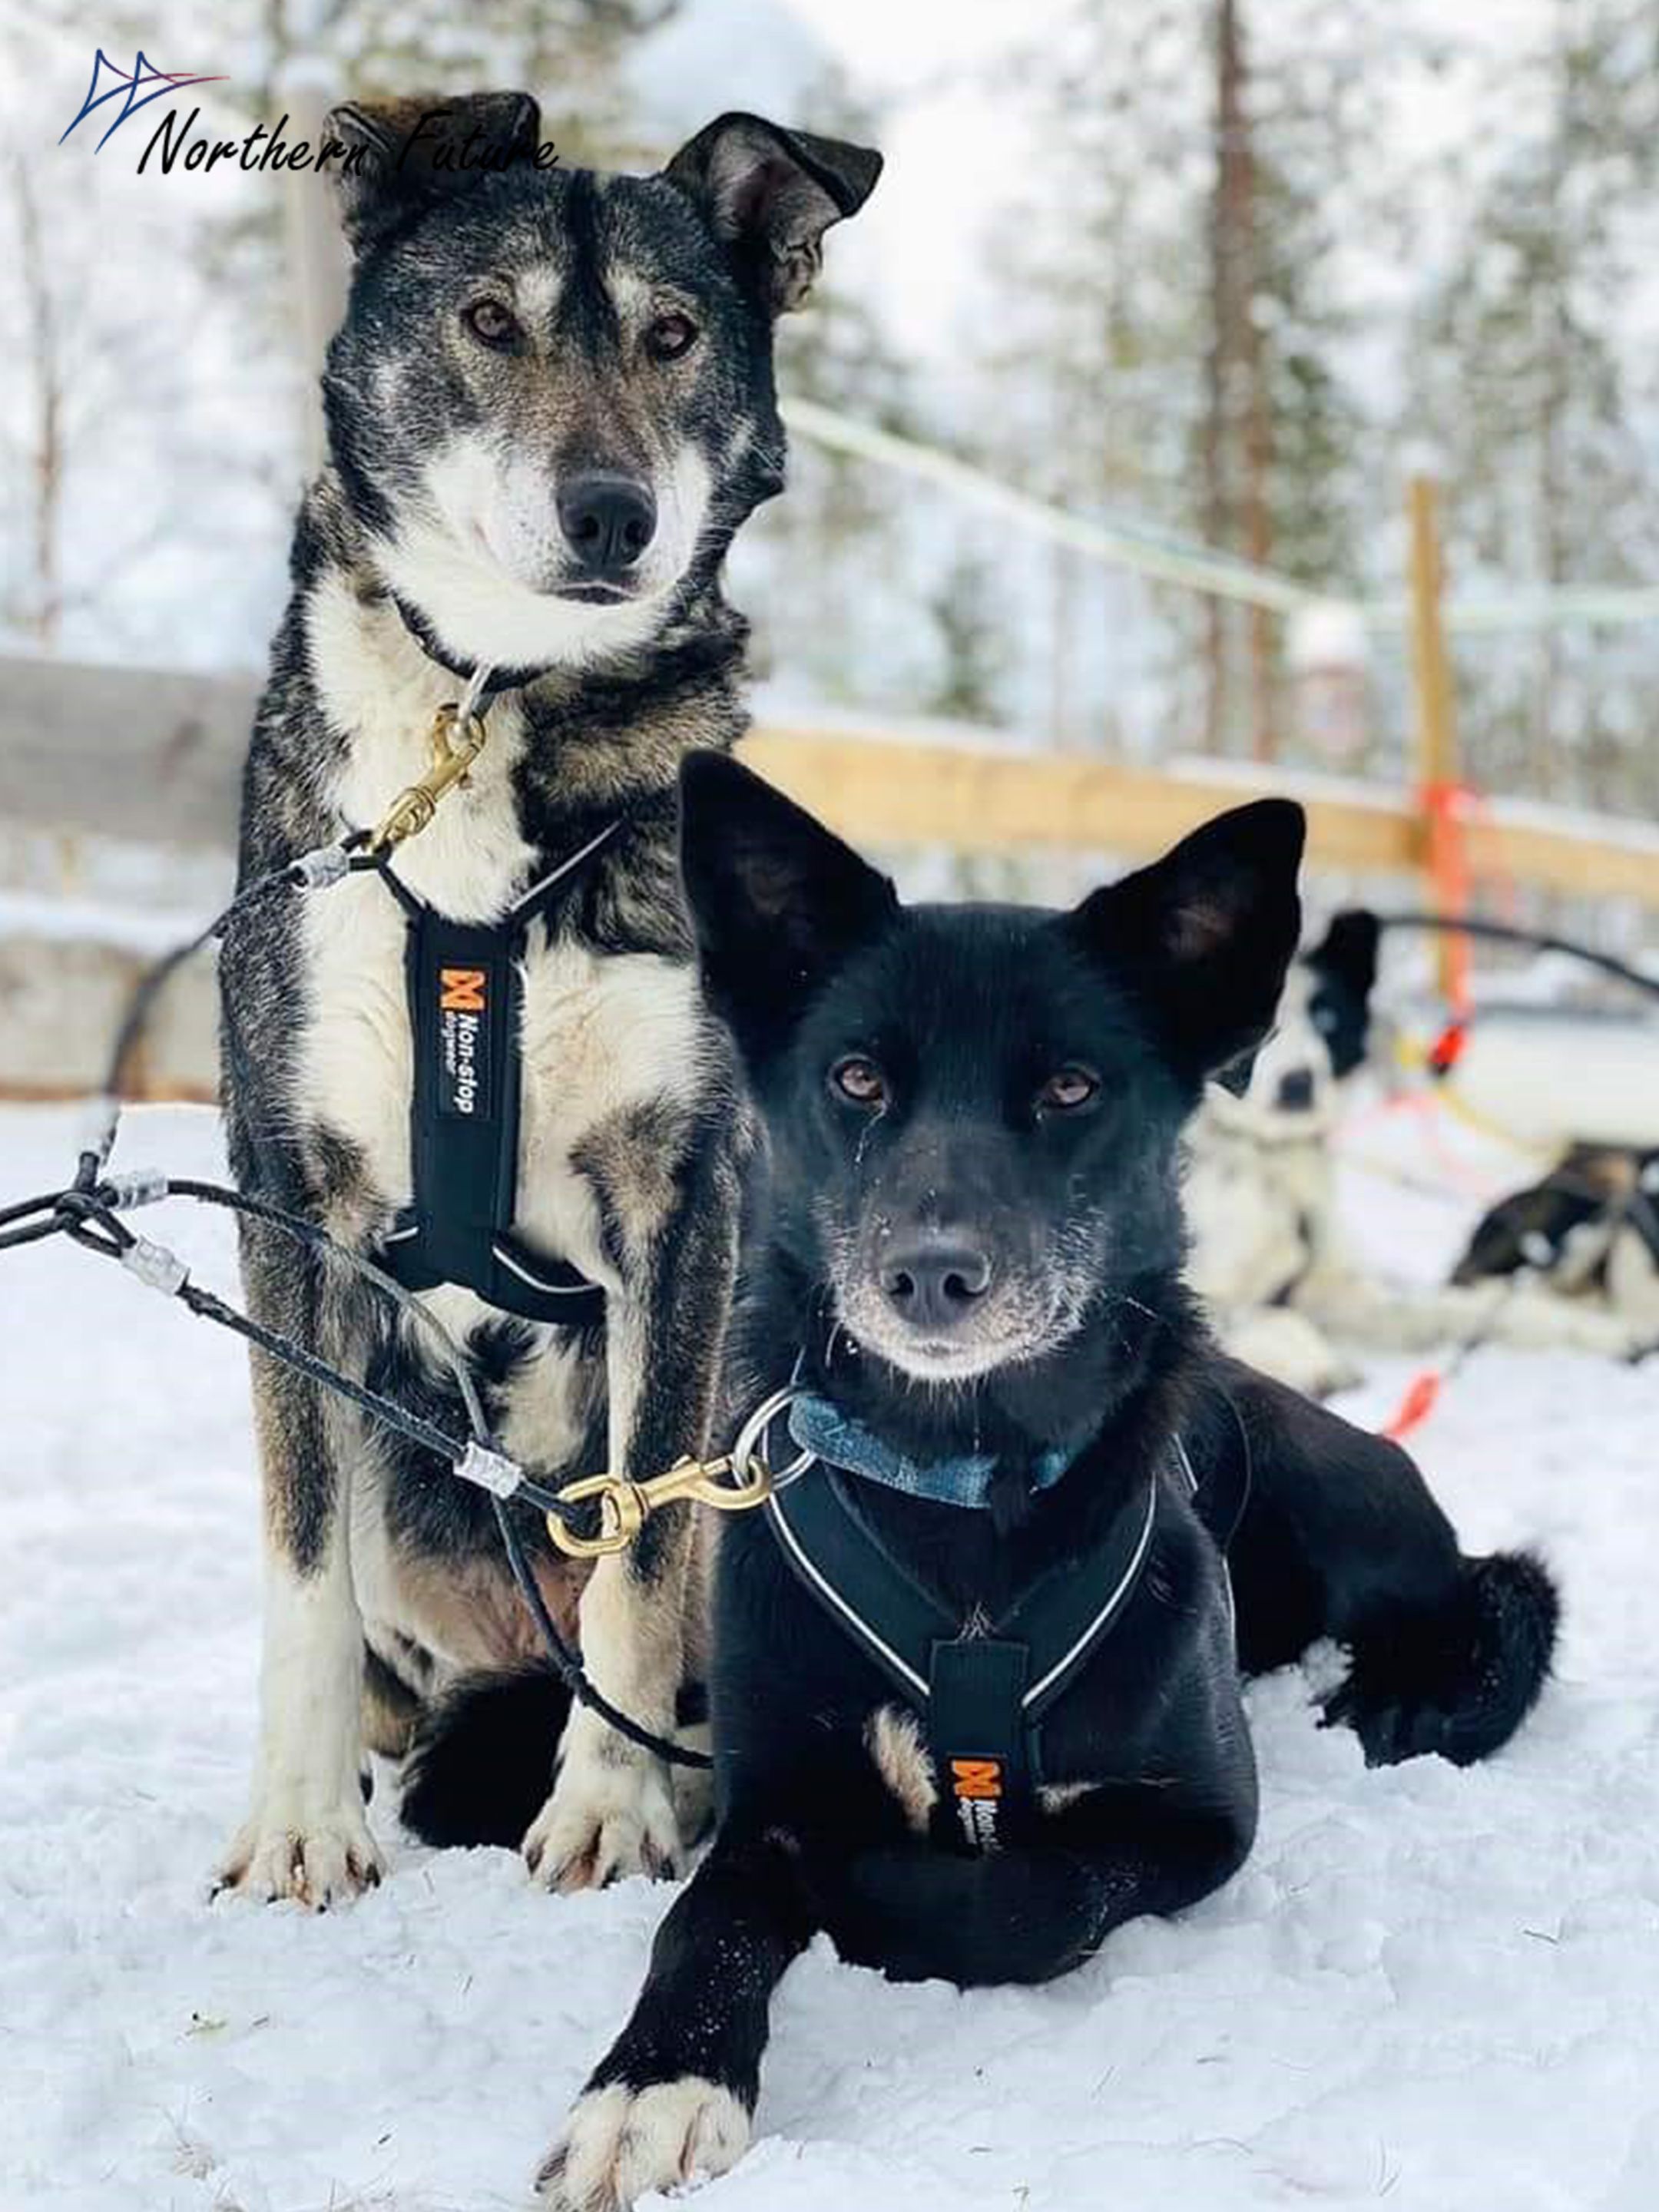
x=595 y=736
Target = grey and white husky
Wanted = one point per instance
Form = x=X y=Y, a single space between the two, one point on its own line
x=549 y=407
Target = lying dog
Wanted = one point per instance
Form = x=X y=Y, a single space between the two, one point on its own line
x=1590 y=1229
x=1268 y=1257
x=550 y=405
x=974 y=1691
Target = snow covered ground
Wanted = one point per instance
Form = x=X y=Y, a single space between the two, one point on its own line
x=1429 y=1988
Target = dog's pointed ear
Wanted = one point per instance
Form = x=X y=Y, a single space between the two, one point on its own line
x=1236 y=1076
x=777 y=902
x=1203 y=938
x=397 y=157
x=770 y=194
x=1347 y=952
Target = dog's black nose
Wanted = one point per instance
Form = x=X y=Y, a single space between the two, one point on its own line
x=933 y=1282
x=1296 y=1091
x=607 y=520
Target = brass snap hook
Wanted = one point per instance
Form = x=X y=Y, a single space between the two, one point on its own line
x=458 y=739
x=625 y=1506
x=622 y=1509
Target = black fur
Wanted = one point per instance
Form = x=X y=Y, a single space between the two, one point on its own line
x=467 y=1780
x=1082 y=1337
x=1344 y=964
x=1457 y=1677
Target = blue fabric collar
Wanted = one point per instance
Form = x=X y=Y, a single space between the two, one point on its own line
x=821 y=1427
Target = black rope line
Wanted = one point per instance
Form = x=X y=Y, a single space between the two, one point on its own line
x=27 y=1205
x=312 y=1233
x=576 y=1681
x=85 y=1212
x=89 y=1218
x=1541 y=941
x=32 y=1232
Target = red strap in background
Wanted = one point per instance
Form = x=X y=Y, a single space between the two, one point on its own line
x=1422 y=1395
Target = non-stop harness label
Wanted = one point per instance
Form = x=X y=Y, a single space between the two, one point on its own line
x=464 y=1011
x=977 y=1785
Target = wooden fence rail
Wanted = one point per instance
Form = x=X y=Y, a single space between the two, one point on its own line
x=155 y=756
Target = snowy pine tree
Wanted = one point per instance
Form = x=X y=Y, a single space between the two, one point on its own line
x=1530 y=386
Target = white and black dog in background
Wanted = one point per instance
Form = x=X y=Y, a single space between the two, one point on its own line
x=1269 y=1258
x=1588 y=1229
x=549 y=407
x=977 y=1671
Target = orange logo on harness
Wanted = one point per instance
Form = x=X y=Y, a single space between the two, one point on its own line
x=977 y=1777
x=461 y=990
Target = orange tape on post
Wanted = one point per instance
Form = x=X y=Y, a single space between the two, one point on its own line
x=1446 y=809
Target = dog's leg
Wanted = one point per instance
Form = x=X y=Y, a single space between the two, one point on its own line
x=1026 y=1915
x=675 y=2095
x=306 y=1836
x=671 y=1238
x=1342 y=1538
x=1527 y=1316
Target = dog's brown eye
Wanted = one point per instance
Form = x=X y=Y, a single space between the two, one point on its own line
x=670 y=337
x=1068 y=1088
x=493 y=322
x=860 y=1080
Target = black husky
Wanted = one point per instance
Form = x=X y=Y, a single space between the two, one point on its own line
x=549 y=406
x=974 y=1691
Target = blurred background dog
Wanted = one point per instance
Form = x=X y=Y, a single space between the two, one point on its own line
x=1571 y=1261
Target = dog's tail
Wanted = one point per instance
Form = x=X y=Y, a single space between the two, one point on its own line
x=481 y=1762
x=1458 y=1679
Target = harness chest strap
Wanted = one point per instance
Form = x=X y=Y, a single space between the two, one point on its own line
x=982 y=1697
x=465 y=1008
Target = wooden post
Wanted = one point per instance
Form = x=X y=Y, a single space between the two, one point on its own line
x=1437 y=736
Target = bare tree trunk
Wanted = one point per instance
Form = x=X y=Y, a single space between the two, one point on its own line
x=1259 y=546
x=46 y=458
x=1218 y=501
x=1252 y=410
x=1238 y=427
x=1545 y=707
x=1554 y=401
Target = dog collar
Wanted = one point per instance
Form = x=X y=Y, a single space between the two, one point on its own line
x=499 y=679
x=819 y=1426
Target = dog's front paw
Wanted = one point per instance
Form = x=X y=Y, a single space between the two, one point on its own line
x=621 y=2143
x=316 y=1859
x=611 y=1813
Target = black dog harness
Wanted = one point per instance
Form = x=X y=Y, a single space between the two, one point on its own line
x=465 y=1009
x=982 y=1691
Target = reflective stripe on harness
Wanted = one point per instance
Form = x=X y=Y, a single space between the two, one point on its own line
x=981 y=1691
x=464 y=981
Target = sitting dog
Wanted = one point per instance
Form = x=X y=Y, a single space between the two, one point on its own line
x=549 y=407
x=1268 y=1258
x=976 y=1677
x=1260 y=1192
